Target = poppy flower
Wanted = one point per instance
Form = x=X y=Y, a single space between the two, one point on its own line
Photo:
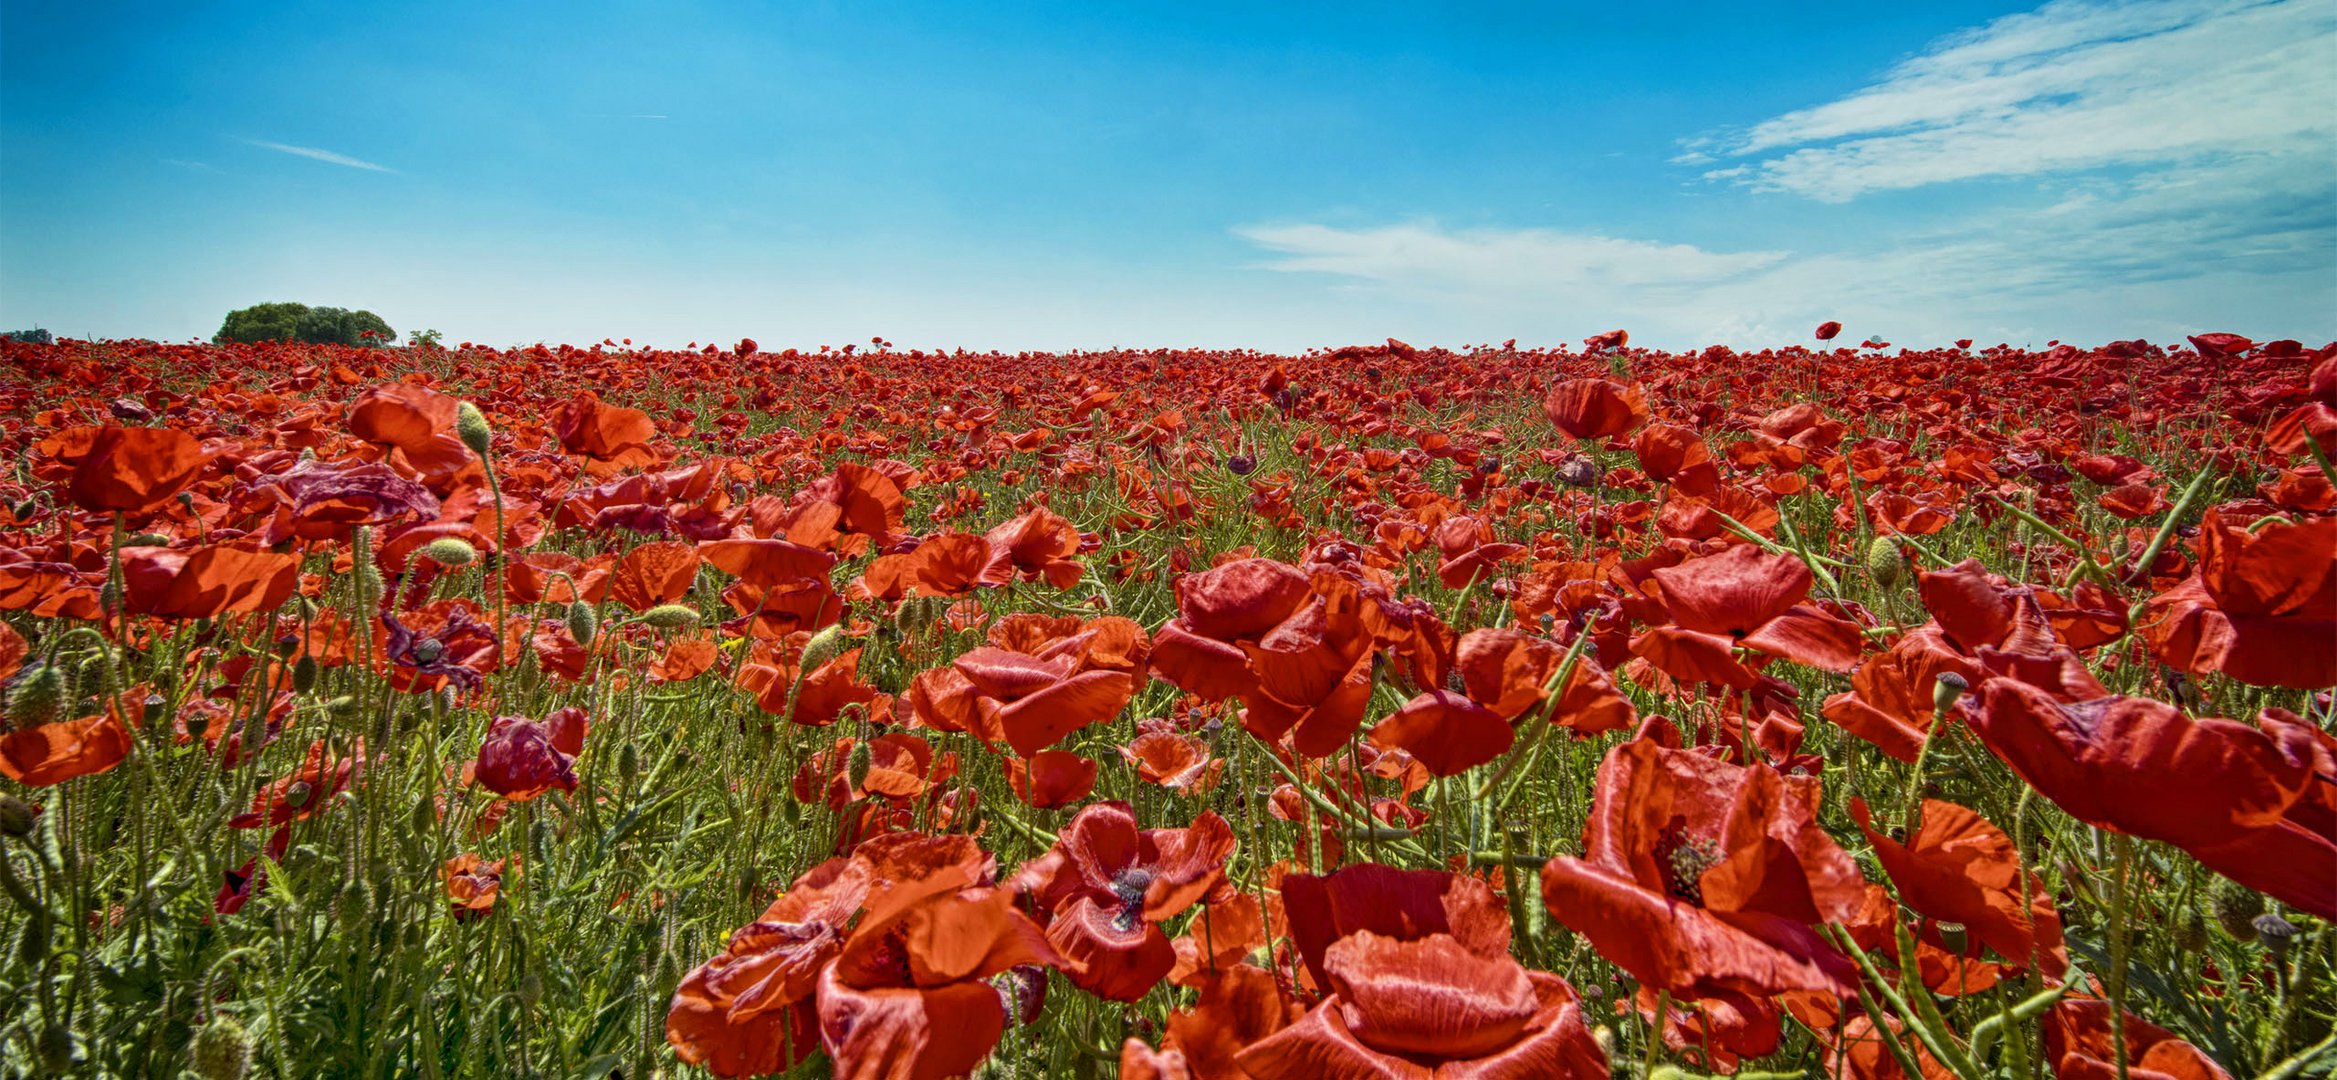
x=128 y=470
x=1038 y=545
x=2080 y=1044
x=1237 y=1007
x=330 y=500
x=1430 y=1006
x=1745 y=598
x=908 y=996
x=206 y=581
x=473 y=885
x=1677 y=456
x=519 y=761
x=1828 y=329
x=55 y=752
x=2261 y=608
x=1403 y=904
x=2245 y=800
x=1589 y=409
x=1052 y=779
x=1891 y=701
x=1705 y=879
x=301 y=793
x=1219 y=938
x=1176 y=762
x=1030 y=702
x=654 y=574
x=1218 y=610
x=589 y=428
x=1959 y=868
x=749 y=1010
x=1109 y=886
x=1508 y=672
x=1445 y=732
x=444 y=643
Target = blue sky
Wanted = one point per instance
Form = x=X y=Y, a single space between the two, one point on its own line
x=1085 y=175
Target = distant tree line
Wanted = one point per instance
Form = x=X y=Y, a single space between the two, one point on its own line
x=300 y=322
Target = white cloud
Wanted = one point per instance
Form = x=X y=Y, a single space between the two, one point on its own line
x=320 y=155
x=2071 y=86
x=1493 y=262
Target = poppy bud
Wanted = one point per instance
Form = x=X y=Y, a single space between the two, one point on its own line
x=858 y=764
x=2191 y=933
x=1885 y=563
x=822 y=648
x=89 y=678
x=425 y=815
x=37 y=697
x=57 y=1049
x=531 y=990
x=351 y=907
x=304 y=674
x=342 y=707
x=1946 y=691
x=629 y=765
x=109 y=597
x=222 y=1049
x=2235 y=907
x=16 y=818
x=583 y=622
x=670 y=617
x=449 y=551
x=32 y=946
x=470 y=425
x=147 y=540
x=25 y=508
x=2274 y=933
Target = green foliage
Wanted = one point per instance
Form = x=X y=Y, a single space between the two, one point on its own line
x=287 y=321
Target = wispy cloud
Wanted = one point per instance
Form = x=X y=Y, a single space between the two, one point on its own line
x=629 y=116
x=315 y=154
x=2074 y=85
x=1496 y=262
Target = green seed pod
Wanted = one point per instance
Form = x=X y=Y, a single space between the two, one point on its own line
x=858 y=764
x=304 y=673
x=342 y=707
x=221 y=1050
x=147 y=540
x=583 y=622
x=1885 y=563
x=822 y=648
x=16 y=818
x=2274 y=933
x=450 y=551
x=1952 y=935
x=470 y=425
x=670 y=617
x=39 y=697
x=1946 y=690
x=2235 y=907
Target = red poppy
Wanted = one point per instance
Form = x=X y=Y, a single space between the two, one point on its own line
x=519 y=760
x=1892 y=699
x=1052 y=779
x=1828 y=329
x=1430 y=1006
x=473 y=885
x=2081 y=1046
x=1038 y=545
x=1177 y=762
x=55 y=752
x=2262 y=607
x=1403 y=904
x=2244 y=800
x=907 y=996
x=1959 y=868
x=1238 y=1006
x=602 y=432
x=303 y=792
x=1705 y=879
x=207 y=581
x=1745 y=598
x=654 y=574
x=127 y=470
x=1109 y=886
x=1595 y=408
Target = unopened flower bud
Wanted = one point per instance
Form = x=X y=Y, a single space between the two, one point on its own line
x=822 y=648
x=583 y=622
x=2235 y=907
x=36 y=697
x=449 y=551
x=470 y=425
x=16 y=818
x=858 y=764
x=304 y=674
x=1885 y=563
x=670 y=617
x=222 y=1049
x=58 y=1049
x=531 y=990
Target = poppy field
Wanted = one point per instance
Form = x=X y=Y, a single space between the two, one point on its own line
x=1848 y=711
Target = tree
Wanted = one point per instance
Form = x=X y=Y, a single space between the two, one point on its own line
x=287 y=321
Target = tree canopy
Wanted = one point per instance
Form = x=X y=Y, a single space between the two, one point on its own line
x=287 y=321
